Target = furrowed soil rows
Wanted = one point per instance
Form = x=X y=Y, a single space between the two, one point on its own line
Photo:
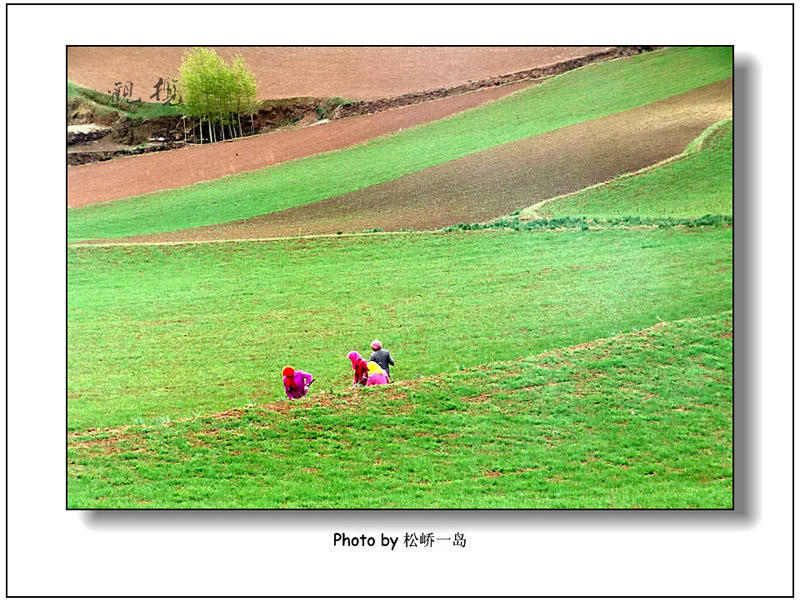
x=356 y=73
x=120 y=178
x=489 y=184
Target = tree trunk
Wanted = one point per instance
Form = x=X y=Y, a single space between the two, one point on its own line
x=241 y=133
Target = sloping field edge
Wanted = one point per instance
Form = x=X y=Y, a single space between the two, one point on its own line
x=366 y=107
x=532 y=212
x=510 y=224
x=324 y=398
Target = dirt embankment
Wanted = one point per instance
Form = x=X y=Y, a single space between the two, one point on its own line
x=122 y=136
x=492 y=183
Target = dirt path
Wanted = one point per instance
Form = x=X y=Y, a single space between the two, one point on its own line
x=492 y=183
x=355 y=73
x=119 y=178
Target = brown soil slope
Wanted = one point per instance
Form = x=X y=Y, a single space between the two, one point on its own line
x=489 y=184
x=355 y=73
x=120 y=178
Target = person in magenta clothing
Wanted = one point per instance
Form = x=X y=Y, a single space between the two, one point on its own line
x=295 y=382
x=377 y=376
x=359 y=364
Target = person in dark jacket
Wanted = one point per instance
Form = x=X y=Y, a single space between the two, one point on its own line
x=381 y=357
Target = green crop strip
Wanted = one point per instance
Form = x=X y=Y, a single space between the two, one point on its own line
x=642 y=420
x=172 y=331
x=697 y=183
x=587 y=93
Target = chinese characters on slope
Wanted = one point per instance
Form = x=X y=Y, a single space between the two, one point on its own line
x=166 y=92
x=410 y=540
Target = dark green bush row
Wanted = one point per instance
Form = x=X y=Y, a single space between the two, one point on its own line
x=582 y=223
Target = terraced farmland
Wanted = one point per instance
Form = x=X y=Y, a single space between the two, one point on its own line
x=486 y=185
x=98 y=182
x=560 y=102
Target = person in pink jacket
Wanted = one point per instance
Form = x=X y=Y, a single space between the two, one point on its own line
x=360 y=369
x=377 y=376
x=295 y=382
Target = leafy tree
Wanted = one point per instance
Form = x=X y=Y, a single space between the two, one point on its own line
x=215 y=93
x=245 y=90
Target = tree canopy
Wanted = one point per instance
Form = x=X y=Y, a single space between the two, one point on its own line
x=216 y=93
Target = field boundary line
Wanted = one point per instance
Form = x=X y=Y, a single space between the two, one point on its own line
x=441 y=231
x=695 y=146
x=236 y=412
x=533 y=75
x=230 y=240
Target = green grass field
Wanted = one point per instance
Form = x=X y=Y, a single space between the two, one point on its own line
x=641 y=420
x=161 y=332
x=587 y=93
x=700 y=182
x=561 y=362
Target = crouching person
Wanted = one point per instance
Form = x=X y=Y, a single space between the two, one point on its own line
x=296 y=382
x=359 y=364
x=377 y=376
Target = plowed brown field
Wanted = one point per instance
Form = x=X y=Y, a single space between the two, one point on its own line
x=355 y=73
x=489 y=184
x=140 y=174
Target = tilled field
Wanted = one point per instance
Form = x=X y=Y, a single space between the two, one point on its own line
x=97 y=182
x=489 y=184
x=355 y=73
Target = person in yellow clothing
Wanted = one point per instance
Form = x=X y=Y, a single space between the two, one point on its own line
x=377 y=376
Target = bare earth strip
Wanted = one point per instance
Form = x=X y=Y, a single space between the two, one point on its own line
x=355 y=73
x=492 y=183
x=120 y=178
